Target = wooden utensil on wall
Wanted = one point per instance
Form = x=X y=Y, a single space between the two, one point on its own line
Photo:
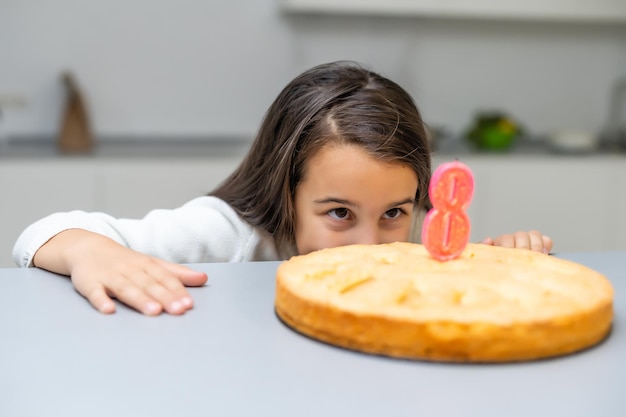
x=75 y=134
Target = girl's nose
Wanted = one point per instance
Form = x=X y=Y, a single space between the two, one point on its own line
x=368 y=235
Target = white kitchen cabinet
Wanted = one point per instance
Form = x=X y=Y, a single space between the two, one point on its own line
x=578 y=201
x=571 y=199
x=132 y=188
x=32 y=189
x=550 y=10
x=615 y=223
x=124 y=187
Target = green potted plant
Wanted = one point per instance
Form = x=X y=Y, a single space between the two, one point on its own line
x=493 y=131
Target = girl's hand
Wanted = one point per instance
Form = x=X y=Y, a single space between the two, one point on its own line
x=101 y=269
x=523 y=240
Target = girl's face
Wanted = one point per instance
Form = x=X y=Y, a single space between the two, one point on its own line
x=349 y=197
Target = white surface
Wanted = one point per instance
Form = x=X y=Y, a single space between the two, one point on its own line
x=575 y=200
x=230 y=356
x=212 y=68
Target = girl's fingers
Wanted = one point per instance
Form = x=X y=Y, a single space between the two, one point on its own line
x=147 y=284
x=533 y=240
x=506 y=241
x=547 y=244
x=536 y=241
x=186 y=275
x=521 y=240
x=149 y=287
x=98 y=297
x=174 y=278
x=166 y=288
x=135 y=297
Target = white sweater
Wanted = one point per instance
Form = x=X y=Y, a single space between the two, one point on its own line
x=205 y=229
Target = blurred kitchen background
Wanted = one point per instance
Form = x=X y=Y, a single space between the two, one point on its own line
x=531 y=94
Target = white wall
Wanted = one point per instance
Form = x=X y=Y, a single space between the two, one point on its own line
x=211 y=67
x=188 y=67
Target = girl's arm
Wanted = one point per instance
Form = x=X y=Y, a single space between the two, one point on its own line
x=136 y=260
x=100 y=269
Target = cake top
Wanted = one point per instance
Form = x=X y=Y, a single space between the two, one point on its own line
x=484 y=284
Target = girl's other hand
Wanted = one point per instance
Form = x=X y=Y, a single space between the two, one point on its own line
x=101 y=269
x=533 y=240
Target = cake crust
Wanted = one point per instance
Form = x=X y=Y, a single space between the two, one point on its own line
x=491 y=304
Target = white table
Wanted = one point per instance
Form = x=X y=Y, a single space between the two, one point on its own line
x=231 y=356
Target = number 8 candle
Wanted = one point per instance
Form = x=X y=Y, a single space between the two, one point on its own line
x=446 y=227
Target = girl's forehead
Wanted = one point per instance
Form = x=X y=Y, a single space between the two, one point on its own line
x=339 y=154
x=348 y=168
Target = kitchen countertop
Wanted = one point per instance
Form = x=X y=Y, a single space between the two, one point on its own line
x=131 y=147
x=231 y=356
x=238 y=146
x=523 y=147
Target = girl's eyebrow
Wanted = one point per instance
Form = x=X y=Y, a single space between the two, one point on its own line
x=402 y=202
x=336 y=201
x=343 y=202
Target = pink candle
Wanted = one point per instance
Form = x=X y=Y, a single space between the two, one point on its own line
x=446 y=227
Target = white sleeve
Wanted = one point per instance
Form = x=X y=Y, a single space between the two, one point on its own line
x=205 y=229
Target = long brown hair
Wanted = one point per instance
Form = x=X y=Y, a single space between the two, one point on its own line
x=342 y=102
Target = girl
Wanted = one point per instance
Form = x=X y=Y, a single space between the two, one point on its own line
x=341 y=157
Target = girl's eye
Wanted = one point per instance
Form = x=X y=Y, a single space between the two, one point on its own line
x=339 y=213
x=393 y=213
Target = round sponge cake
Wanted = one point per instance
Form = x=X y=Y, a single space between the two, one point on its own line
x=491 y=304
